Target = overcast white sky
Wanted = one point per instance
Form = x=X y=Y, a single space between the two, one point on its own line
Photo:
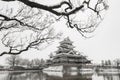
x=104 y=45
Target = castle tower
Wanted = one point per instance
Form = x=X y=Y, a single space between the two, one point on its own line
x=67 y=54
x=66 y=59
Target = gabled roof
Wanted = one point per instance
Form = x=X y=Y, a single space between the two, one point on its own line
x=69 y=55
x=66 y=40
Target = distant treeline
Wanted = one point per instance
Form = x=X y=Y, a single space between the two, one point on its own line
x=15 y=62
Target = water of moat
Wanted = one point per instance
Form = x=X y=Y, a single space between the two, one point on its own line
x=38 y=75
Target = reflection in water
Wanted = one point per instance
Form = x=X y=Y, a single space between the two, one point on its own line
x=56 y=76
x=110 y=76
x=25 y=76
x=68 y=76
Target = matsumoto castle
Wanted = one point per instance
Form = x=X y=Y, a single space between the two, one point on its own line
x=66 y=59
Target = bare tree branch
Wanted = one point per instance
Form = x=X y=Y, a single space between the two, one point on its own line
x=39 y=22
x=50 y=8
x=32 y=44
